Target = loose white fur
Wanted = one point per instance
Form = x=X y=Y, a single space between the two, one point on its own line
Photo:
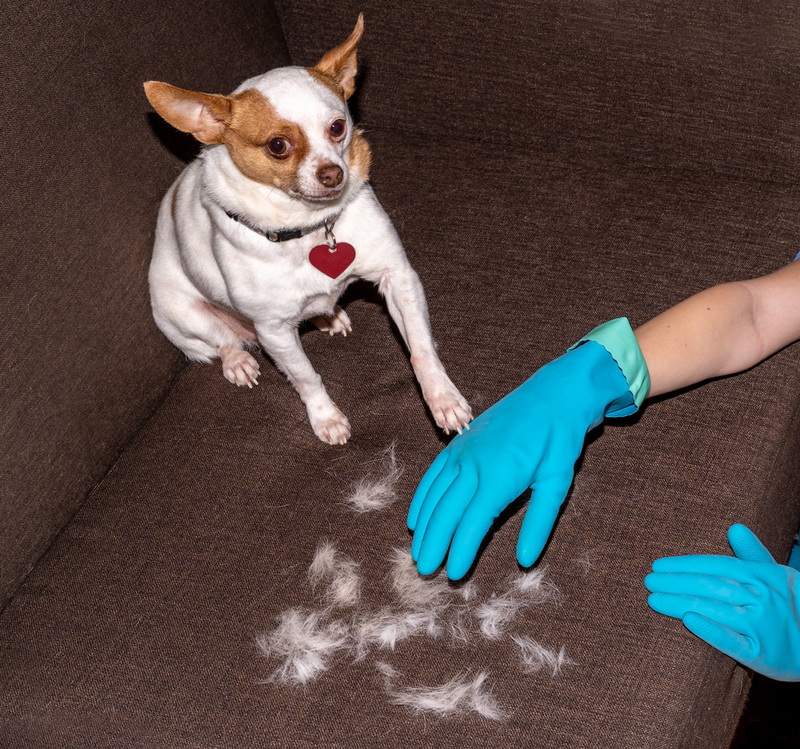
x=461 y=694
x=460 y=624
x=218 y=287
x=377 y=492
x=344 y=586
x=496 y=614
x=535 y=585
x=585 y=562
x=389 y=626
x=323 y=563
x=426 y=606
x=527 y=589
x=413 y=590
x=306 y=642
x=534 y=656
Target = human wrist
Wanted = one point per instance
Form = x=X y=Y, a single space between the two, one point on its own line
x=617 y=338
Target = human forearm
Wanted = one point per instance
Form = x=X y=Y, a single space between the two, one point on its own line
x=721 y=330
x=690 y=342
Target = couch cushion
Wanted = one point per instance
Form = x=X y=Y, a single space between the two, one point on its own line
x=681 y=84
x=139 y=626
x=84 y=170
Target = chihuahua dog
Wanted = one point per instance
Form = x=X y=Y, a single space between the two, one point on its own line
x=269 y=226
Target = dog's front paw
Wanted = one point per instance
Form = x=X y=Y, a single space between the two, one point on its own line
x=338 y=322
x=330 y=424
x=450 y=411
x=239 y=367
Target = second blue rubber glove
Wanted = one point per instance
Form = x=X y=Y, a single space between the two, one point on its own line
x=746 y=606
x=530 y=438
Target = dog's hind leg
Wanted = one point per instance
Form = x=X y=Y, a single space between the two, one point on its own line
x=338 y=322
x=238 y=365
x=204 y=331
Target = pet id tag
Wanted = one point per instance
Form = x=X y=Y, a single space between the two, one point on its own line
x=332 y=261
x=333 y=258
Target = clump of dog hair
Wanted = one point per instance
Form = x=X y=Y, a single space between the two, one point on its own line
x=495 y=615
x=413 y=590
x=534 y=656
x=462 y=694
x=536 y=587
x=377 y=492
x=467 y=591
x=460 y=625
x=527 y=589
x=427 y=605
x=388 y=627
x=344 y=588
x=305 y=642
x=422 y=601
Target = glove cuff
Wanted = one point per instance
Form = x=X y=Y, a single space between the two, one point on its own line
x=616 y=336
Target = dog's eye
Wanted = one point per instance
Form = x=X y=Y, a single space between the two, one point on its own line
x=338 y=129
x=280 y=148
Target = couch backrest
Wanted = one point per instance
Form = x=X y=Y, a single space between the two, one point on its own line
x=679 y=84
x=83 y=167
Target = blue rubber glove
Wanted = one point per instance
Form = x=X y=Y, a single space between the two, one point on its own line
x=530 y=438
x=746 y=606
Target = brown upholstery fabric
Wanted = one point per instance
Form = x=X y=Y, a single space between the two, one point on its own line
x=137 y=627
x=675 y=84
x=83 y=363
x=147 y=608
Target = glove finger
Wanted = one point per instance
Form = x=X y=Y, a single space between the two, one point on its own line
x=678 y=606
x=445 y=518
x=546 y=501
x=438 y=488
x=424 y=486
x=747 y=546
x=704 y=564
x=737 y=646
x=670 y=605
x=475 y=524
x=699 y=586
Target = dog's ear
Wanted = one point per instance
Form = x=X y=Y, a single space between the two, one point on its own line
x=340 y=63
x=206 y=116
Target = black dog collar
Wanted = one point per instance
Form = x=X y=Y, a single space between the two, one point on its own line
x=282 y=235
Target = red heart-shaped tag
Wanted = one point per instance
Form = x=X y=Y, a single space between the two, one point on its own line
x=332 y=262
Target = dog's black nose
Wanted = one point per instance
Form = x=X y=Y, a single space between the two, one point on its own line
x=330 y=175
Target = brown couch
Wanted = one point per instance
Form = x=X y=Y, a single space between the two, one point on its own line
x=548 y=166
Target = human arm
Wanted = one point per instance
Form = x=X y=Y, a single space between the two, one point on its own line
x=722 y=330
x=530 y=438
x=523 y=437
x=745 y=605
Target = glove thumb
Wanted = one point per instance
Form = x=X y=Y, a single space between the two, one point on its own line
x=546 y=501
x=747 y=546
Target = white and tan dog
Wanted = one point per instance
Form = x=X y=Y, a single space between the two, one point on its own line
x=269 y=226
